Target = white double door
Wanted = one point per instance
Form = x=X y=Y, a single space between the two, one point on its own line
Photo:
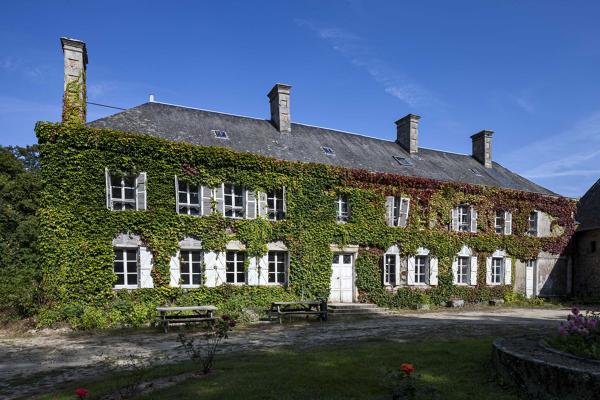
x=342 y=278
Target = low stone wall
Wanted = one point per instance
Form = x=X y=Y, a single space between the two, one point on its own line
x=543 y=374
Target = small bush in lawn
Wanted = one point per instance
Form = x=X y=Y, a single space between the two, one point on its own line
x=204 y=349
x=579 y=335
x=128 y=375
x=405 y=384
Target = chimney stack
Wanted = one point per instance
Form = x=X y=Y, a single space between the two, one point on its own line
x=407 y=133
x=74 y=98
x=279 y=99
x=482 y=147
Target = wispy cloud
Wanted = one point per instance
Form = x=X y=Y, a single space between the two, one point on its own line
x=9 y=64
x=359 y=52
x=14 y=65
x=572 y=154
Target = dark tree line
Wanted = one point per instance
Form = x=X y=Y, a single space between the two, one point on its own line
x=20 y=192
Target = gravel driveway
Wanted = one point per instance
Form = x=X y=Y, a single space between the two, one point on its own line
x=39 y=362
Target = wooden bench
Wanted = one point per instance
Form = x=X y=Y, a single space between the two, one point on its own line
x=280 y=309
x=174 y=315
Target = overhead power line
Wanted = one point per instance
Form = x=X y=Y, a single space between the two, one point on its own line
x=104 y=105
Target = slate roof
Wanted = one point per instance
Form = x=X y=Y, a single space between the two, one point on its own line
x=304 y=144
x=588 y=209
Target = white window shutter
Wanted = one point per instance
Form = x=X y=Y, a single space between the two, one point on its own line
x=410 y=276
x=250 y=204
x=433 y=271
x=176 y=195
x=284 y=200
x=219 y=193
x=389 y=210
x=145 y=277
x=404 y=206
x=488 y=270
x=455 y=270
x=507 y=270
x=140 y=190
x=262 y=204
x=455 y=219
x=175 y=270
x=507 y=223
x=108 y=189
x=206 y=203
x=473 y=280
x=473 y=219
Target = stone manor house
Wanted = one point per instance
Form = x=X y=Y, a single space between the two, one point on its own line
x=279 y=138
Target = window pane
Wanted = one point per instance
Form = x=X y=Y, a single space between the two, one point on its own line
x=185 y=279
x=196 y=256
x=240 y=277
x=230 y=278
x=116 y=192
x=185 y=268
x=132 y=279
x=230 y=256
x=120 y=279
x=196 y=268
x=281 y=277
x=118 y=266
x=194 y=198
x=196 y=279
x=118 y=255
x=131 y=266
x=347 y=258
x=129 y=194
x=194 y=211
x=336 y=258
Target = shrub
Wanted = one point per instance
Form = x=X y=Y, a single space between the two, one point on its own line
x=579 y=335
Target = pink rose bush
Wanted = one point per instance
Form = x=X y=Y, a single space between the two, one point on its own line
x=578 y=324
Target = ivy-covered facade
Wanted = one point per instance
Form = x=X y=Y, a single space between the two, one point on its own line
x=132 y=220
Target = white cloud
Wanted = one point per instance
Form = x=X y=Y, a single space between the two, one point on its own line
x=573 y=154
x=357 y=50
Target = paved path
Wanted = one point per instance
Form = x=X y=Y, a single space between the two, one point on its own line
x=36 y=363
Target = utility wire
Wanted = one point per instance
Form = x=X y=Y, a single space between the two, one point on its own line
x=104 y=105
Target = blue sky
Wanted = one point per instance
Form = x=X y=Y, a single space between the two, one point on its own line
x=529 y=70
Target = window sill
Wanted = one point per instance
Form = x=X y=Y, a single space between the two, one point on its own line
x=126 y=287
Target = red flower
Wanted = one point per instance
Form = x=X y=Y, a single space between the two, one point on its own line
x=407 y=368
x=225 y=318
x=232 y=324
x=81 y=392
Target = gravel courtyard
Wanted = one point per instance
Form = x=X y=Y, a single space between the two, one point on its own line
x=35 y=363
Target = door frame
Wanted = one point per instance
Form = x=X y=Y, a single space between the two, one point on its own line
x=348 y=249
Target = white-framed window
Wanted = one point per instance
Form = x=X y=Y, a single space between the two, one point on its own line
x=191 y=268
x=277 y=267
x=126 y=268
x=234 y=267
x=125 y=191
x=276 y=204
x=499 y=222
x=233 y=200
x=464 y=218
x=463 y=270
x=420 y=277
x=390 y=269
x=189 y=198
x=532 y=224
x=122 y=189
x=497 y=272
x=342 y=209
x=397 y=209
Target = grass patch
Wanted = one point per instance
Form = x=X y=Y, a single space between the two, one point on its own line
x=460 y=369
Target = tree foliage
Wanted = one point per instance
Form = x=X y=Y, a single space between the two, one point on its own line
x=20 y=190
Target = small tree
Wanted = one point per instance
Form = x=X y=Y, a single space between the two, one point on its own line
x=204 y=349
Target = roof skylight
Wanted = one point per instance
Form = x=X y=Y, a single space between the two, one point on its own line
x=220 y=134
x=475 y=172
x=328 y=151
x=402 y=161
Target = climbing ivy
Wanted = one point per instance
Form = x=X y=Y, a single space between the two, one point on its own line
x=77 y=229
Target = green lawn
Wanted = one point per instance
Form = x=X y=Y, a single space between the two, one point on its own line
x=460 y=369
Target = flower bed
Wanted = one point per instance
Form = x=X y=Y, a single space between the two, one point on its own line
x=579 y=335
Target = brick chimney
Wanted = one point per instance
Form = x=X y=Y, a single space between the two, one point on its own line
x=407 y=133
x=279 y=99
x=74 y=98
x=482 y=147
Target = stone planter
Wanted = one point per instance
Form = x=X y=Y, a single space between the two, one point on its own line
x=496 y=302
x=455 y=303
x=422 y=306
